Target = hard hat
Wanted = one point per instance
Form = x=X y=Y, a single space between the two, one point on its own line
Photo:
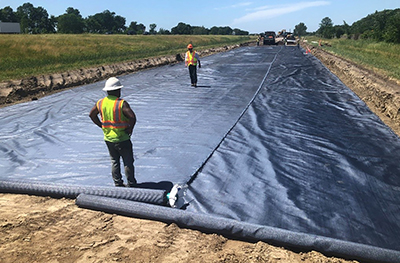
x=190 y=46
x=112 y=84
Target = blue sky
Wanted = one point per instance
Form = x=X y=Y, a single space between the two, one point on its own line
x=254 y=16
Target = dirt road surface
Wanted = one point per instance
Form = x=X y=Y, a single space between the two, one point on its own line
x=43 y=229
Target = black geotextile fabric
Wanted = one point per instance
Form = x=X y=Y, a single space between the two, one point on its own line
x=270 y=137
x=53 y=139
x=307 y=156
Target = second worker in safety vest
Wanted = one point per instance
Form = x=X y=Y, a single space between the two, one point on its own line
x=191 y=61
x=117 y=122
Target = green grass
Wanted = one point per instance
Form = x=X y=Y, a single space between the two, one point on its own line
x=33 y=55
x=381 y=57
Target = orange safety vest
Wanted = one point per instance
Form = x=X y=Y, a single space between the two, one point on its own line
x=113 y=120
x=191 y=58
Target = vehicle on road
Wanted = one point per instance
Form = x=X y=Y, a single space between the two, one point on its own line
x=290 y=40
x=269 y=38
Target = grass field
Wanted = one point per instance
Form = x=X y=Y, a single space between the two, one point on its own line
x=31 y=55
x=379 y=56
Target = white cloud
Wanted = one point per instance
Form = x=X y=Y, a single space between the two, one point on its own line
x=275 y=11
x=243 y=4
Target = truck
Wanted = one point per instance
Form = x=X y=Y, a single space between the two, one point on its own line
x=269 y=38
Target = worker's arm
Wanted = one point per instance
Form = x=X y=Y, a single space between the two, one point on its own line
x=94 y=112
x=128 y=112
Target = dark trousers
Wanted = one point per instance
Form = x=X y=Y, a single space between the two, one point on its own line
x=193 y=74
x=124 y=150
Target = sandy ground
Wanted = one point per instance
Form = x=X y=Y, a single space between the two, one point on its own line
x=43 y=229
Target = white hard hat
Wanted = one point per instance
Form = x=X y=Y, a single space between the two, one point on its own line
x=112 y=84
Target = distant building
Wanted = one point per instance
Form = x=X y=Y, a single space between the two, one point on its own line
x=9 y=28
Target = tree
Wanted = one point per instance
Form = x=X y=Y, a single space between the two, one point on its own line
x=392 y=31
x=105 y=22
x=346 y=28
x=326 y=28
x=163 y=31
x=181 y=29
x=153 y=29
x=119 y=24
x=221 y=30
x=380 y=26
x=300 y=29
x=239 y=32
x=199 y=30
x=24 y=13
x=326 y=22
x=35 y=20
x=226 y=30
x=135 y=28
x=71 y=22
x=73 y=11
x=214 y=30
x=141 y=28
x=7 y=15
x=338 y=31
x=93 y=25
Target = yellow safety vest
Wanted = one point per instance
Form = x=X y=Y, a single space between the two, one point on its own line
x=191 y=58
x=113 y=120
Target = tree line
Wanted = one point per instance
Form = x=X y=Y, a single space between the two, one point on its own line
x=36 y=20
x=379 y=26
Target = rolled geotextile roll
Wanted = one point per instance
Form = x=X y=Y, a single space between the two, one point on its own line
x=241 y=230
x=151 y=196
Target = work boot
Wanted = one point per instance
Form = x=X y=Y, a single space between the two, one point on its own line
x=119 y=183
x=132 y=183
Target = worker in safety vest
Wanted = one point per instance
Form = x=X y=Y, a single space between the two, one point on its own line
x=117 y=122
x=191 y=61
